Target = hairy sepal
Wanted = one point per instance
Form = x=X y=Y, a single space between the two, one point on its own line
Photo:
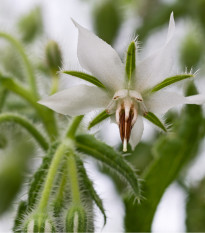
x=99 y=118
x=155 y=120
x=130 y=61
x=86 y=77
x=171 y=80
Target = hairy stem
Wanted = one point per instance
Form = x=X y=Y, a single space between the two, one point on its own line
x=46 y=115
x=65 y=148
x=27 y=125
x=73 y=177
x=30 y=73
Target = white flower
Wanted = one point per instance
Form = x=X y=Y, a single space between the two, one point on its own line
x=130 y=90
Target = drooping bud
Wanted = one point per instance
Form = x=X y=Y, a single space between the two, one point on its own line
x=39 y=223
x=76 y=219
x=53 y=56
x=30 y=25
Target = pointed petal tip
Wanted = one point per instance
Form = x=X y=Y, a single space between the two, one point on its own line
x=75 y=23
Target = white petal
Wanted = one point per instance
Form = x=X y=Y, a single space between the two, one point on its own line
x=137 y=132
x=99 y=58
x=171 y=29
x=77 y=100
x=162 y=101
x=156 y=67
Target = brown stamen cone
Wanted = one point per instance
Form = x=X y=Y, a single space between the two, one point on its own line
x=125 y=125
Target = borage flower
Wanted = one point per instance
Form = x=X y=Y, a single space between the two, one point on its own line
x=131 y=91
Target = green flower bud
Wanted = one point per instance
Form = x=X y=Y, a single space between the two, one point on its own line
x=39 y=223
x=31 y=25
x=76 y=219
x=53 y=56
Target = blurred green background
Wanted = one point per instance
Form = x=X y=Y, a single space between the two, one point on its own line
x=161 y=159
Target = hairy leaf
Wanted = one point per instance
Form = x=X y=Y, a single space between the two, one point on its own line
x=113 y=159
x=89 y=185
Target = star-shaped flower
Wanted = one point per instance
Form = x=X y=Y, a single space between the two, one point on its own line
x=131 y=91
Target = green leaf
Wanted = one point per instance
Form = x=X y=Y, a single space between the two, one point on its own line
x=21 y=212
x=130 y=62
x=172 y=153
x=89 y=185
x=100 y=117
x=171 y=80
x=113 y=159
x=85 y=77
x=155 y=120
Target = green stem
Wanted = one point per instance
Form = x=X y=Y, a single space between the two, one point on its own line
x=16 y=44
x=46 y=115
x=55 y=83
x=60 y=195
x=73 y=127
x=27 y=125
x=73 y=177
x=60 y=152
x=66 y=147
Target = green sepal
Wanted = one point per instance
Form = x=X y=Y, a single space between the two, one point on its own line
x=89 y=185
x=171 y=80
x=100 y=117
x=86 y=77
x=89 y=145
x=130 y=61
x=155 y=120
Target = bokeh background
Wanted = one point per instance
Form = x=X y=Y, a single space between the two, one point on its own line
x=34 y=22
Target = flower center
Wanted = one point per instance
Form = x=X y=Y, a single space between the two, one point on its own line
x=126 y=116
x=129 y=103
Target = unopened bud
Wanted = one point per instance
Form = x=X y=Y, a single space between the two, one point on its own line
x=53 y=56
x=39 y=223
x=76 y=219
x=30 y=25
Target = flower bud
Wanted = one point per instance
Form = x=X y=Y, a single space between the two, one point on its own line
x=39 y=222
x=76 y=219
x=30 y=25
x=53 y=56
